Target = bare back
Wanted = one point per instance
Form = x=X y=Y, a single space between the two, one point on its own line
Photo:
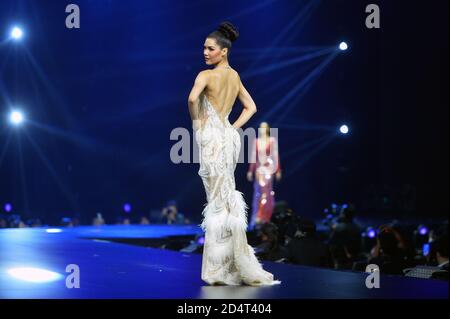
x=222 y=89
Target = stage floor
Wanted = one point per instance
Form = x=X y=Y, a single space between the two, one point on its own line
x=114 y=270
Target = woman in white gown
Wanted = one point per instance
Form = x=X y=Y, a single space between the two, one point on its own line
x=227 y=257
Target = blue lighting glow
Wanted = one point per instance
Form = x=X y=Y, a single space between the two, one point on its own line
x=423 y=230
x=53 y=230
x=371 y=233
x=127 y=207
x=8 y=207
x=36 y=275
x=201 y=240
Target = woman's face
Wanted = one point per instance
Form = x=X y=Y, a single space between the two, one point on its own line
x=212 y=52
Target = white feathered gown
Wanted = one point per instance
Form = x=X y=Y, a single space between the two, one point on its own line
x=227 y=257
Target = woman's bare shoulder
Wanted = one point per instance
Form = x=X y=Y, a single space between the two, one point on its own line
x=204 y=72
x=237 y=77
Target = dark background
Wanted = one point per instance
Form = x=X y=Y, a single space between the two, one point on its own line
x=102 y=100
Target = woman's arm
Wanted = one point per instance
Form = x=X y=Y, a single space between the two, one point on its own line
x=193 y=100
x=248 y=104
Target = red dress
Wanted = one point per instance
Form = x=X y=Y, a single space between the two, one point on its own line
x=264 y=164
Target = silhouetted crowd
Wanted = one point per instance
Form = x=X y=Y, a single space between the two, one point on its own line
x=169 y=215
x=337 y=242
x=410 y=250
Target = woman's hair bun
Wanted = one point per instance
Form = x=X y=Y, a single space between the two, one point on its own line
x=229 y=30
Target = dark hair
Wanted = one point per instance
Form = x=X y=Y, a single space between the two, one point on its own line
x=225 y=34
x=347 y=214
x=388 y=241
x=271 y=231
x=307 y=227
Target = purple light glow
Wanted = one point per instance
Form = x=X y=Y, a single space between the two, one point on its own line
x=127 y=208
x=201 y=240
x=371 y=233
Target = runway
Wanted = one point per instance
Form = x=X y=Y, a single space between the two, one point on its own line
x=115 y=270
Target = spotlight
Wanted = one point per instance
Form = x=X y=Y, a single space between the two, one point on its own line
x=344 y=129
x=16 y=117
x=16 y=33
x=343 y=46
x=127 y=208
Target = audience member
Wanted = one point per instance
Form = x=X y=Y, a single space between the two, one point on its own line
x=306 y=249
x=270 y=247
